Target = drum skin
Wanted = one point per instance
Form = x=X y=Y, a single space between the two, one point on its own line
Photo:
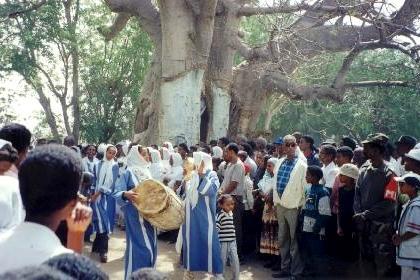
x=159 y=205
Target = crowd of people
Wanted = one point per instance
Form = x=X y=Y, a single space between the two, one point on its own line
x=344 y=209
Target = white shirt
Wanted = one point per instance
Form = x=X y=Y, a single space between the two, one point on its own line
x=28 y=244
x=330 y=172
x=11 y=207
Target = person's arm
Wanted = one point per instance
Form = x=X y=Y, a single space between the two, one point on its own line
x=397 y=239
x=412 y=226
x=231 y=187
x=77 y=224
x=209 y=185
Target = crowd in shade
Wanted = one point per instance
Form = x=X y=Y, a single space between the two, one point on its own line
x=340 y=208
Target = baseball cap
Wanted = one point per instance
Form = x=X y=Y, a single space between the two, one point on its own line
x=411 y=179
x=414 y=154
x=407 y=140
x=350 y=170
x=376 y=138
x=279 y=141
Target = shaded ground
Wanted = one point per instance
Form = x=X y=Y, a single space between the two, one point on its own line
x=167 y=261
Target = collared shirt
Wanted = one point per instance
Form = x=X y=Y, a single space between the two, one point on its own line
x=330 y=172
x=12 y=212
x=283 y=174
x=235 y=172
x=28 y=244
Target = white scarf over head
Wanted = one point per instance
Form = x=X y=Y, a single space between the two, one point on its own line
x=106 y=177
x=199 y=158
x=170 y=146
x=166 y=155
x=137 y=164
x=217 y=152
x=177 y=170
x=156 y=165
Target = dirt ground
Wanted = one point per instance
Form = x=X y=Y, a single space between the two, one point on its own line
x=167 y=261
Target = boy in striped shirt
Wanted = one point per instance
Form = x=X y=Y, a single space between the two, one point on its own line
x=227 y=237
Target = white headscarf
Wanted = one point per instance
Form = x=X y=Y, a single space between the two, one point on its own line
x=106 y=177
x=137 y=164
x=166 y=166
x=156 y=165
x=198 y=158
x=102 y=148
x=170 y=146
x=4 y=142
x=176 y=160
x=217 y=152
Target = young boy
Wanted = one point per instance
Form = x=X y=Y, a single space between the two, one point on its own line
x=227 y=237
x=316 y=212
x=347 y=243
x=49 y=180
x=407 y=238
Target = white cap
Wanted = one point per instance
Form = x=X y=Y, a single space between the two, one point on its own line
x=414 y=154
x=350 y=170
x=410 y=178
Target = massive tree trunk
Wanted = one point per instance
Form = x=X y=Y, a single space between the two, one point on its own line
x=195 y=43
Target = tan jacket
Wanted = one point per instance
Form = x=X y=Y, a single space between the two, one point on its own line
x=294 y=193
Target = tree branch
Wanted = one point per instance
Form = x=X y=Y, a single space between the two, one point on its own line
x=32 y=7
x=117 y=26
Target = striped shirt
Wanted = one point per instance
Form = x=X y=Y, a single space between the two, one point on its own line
x=225 y=227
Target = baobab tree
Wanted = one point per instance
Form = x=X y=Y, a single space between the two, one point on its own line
x=195 y=42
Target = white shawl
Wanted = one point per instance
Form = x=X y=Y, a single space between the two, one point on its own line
x=198 y=158
x=106 y=177
x=156 y=165
x=138 y=165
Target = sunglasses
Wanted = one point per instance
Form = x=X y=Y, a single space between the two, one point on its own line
x=290 y=145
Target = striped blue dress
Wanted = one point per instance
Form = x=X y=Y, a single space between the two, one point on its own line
x=141 y=250
x=201 y=248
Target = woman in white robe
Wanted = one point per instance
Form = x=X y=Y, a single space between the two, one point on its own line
x=155 y=165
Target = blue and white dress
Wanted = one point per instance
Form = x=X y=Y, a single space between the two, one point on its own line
x=141 y=250
x=101 y=218
x=201 y=248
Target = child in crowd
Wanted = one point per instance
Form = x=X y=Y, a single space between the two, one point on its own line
x=347 y=241
x=407 y=238
x=316 y=212
x=227 y=236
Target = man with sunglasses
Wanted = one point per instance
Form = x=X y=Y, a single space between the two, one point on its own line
x=288 y=198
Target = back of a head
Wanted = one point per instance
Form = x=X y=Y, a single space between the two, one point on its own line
x=349 y=142
x=248 y=149
x=233 y=147
x=315 y=171
x=49 y=179
x=224 y=140
x=69 y=141
x=18 y=135
x=148 y=274
x=39 y=272
x=77 y=266
x=7 y=152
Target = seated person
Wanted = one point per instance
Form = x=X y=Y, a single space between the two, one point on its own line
x=48 y=180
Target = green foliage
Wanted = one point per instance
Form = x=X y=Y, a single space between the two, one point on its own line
x=113 y=74
x=393 y=111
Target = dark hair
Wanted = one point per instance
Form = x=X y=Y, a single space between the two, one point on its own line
x=389 y=150
x=309 y=139
x=148 y=273
x=224 y=140
x=8 y=153
x=184 y=147
x=233 y=147
x=69 y=141
x=213 y=143
x=329 y=150
x=36 y=272
x=380 y=147
x=18 y=135
x=315 y=171
x=48 y=179
x=77 y=266
x=206 y=149
x=223 y=198
x=87 y=178
x=270 y=149
x=345 y=151
x=349 y=142
x=253 y=144
x=248 y=149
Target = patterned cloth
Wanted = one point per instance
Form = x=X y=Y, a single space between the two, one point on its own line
x=283 y=174
x=269 y=243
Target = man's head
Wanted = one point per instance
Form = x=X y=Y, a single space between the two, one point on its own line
x=223 y=142
x=306 y=143
x=412 y=161
x=278 y=146
x=359 y=157
x=248 y=149
x=183 y=150
x=261 y=143
x=77 y=266
x=120 y=152
x=349 y=142
x=404 y=144
x=213 y=143
x=297 y=136
x=49 y=180
x=8 y=156
x=344 y=155
x=374 y=146
x=19 y=136
x=327 y=154
x=232 y=151
x=348 y=174
x=91 y=151
x=314 y=174
x=242 y=155
x=69 y=141
x=289 y=146
x=148 y=274
x=409 y=184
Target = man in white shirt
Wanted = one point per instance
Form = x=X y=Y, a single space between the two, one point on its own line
x=404 y=145
x=49 y=180
x=327 y=156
